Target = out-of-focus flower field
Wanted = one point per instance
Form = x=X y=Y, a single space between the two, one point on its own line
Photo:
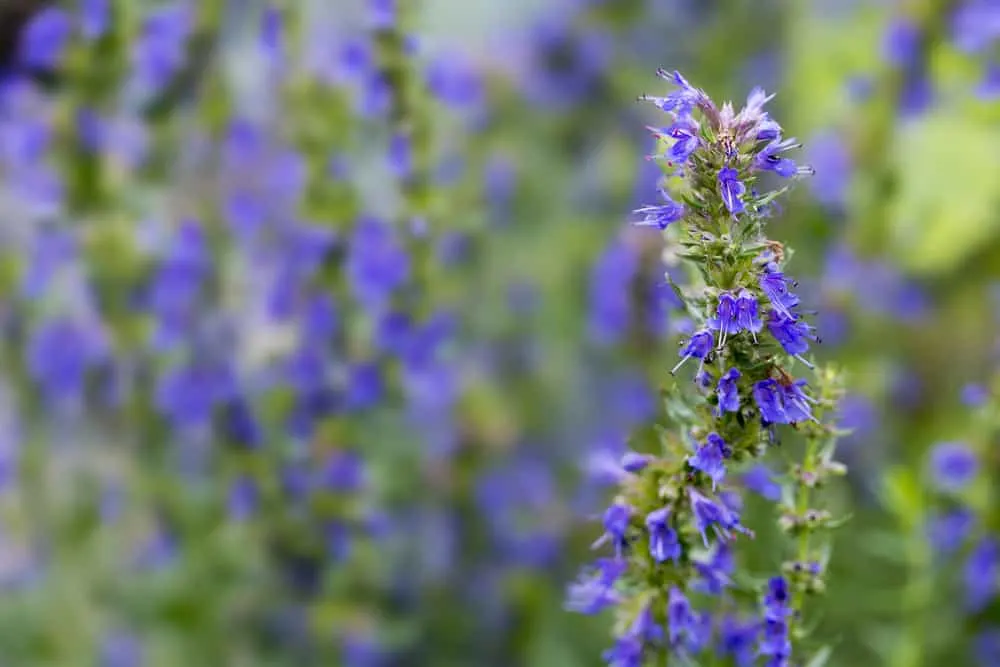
x=325 y=328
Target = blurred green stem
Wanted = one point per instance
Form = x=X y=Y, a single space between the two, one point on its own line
x=916 y=595
x=876 y=132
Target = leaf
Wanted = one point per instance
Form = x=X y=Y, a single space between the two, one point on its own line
x=821 y=658
x=824 y=53
x=902 y=494
x=833 y=524
x=946 y=205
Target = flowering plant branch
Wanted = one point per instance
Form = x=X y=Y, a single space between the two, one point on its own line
x=673 y=525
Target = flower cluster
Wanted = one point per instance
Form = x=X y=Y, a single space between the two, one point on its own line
x=962 y=526
x=243 y=319
x=674 y=526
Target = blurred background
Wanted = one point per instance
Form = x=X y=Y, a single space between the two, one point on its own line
x=323 y=319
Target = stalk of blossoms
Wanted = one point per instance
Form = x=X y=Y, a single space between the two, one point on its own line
x=399 y=73
x=673 y=526
x=962 y=533
x=800 y=515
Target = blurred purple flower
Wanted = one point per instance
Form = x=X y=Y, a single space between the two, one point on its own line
x=947 y=531
x=60 y=352
x=176 y=288
x=828 y=154
x=989 y=87
x=982 y=574
x=378 y=264
x=187 y=394
x=243 y=498
x=161 y=47
x=975 y=395
x=453 y=81
x=901 y=40
x=987 y=647
x=120 y=649
x=976 y=25
x=45 y=37
x=610 y=294
x=760 y=480
x=953 y=465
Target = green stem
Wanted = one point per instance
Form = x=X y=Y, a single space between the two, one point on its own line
x=916 y=596
x=874 y=139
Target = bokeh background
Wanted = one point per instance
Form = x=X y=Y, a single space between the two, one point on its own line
x=320 y=331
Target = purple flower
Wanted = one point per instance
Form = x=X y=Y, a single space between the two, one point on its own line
x=681 y=101
x=989 y=87
x=680 y=615
x=400 y=155
x=775 y=643
x=94 y=18
x=738 y=640
x=662 y=215
x=59 y=354
x=365 y=387
x=714 y=573
x=161 y=48
x=952 y=466
x=975 y=395
x=343 y=472
x=700 y=633
x=243 y=498
x=982 y=574
x=188 y=394
x=120 y=649
x=634 y=462
x=355 y=60
x=595 y=590
x=626 y=652
x=708 y=512
x=747 y=318
x=271 y=26
x=685 y=135
x=770 y=401
x=774 y=284
x=792 y=333
x=319 y=320
x=383 y=13
x=987 y=648
x=644 y=626
x=616 y=524
x=377 y=266
x=728 y=391
x=44 y=38
x=663 y=542
x=362 y=650
x=829 y=154
x=710 y=458
x=240 y=424
x=947 y=532
x=796 y=402
x=732 y=190
x=770 y=159
x=725 y=320
x=177 y=283
x=698 y=346
x=976 y=25
x=901 y=41
x=453 y=81
x=610 y=301
x=760 y=480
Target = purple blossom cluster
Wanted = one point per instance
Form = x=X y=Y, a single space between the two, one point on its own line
x=234 y=303
x=961 y=529
x=672 y=528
